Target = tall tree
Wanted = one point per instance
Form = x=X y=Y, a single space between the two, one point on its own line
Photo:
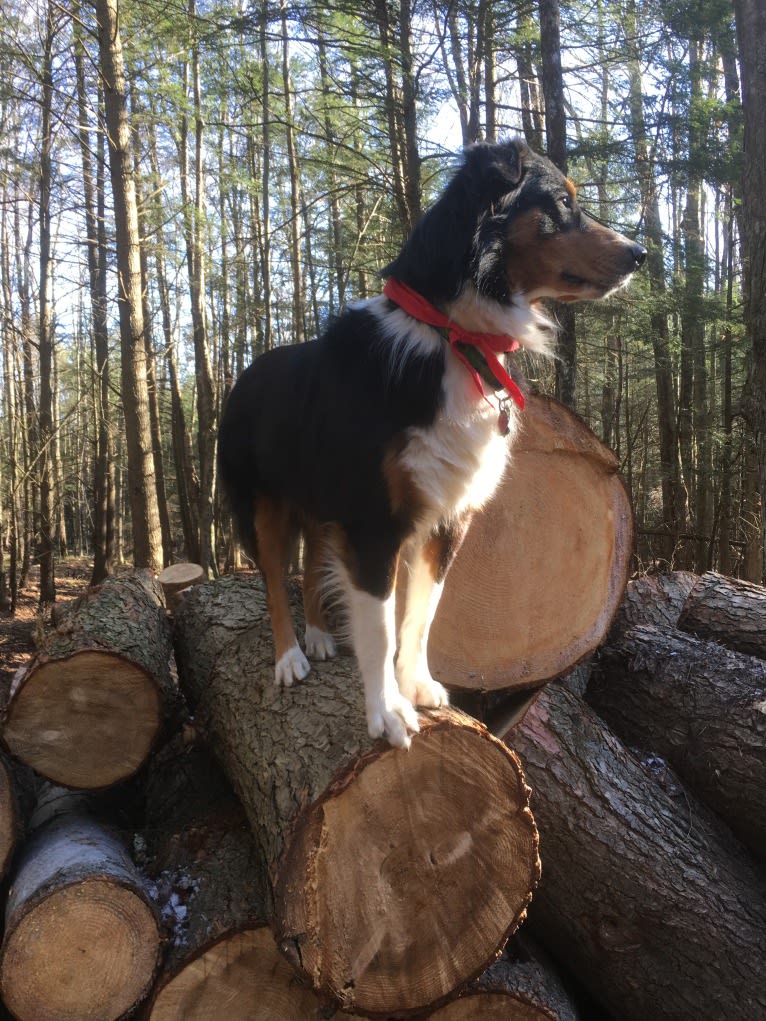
x=556 y=138
x=147 y=536
x=751 y=31
x=45 y=345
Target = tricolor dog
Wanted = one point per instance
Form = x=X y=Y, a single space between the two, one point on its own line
x=380 y=439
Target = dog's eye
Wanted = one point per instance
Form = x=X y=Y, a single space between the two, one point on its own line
x=566 y=201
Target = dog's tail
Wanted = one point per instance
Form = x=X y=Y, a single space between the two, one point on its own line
x=236 y=483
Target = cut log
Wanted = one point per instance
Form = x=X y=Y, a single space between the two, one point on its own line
x=81 y=936
x=210 y=879
x=10 y=824
x=543 y=567
x=213 y=615
x=176 y=579
x=649 y=899
x=522 y=985
x=656 y=599
x=398 y=875
x=728 y=611
x=86 y=710
x=700 y=706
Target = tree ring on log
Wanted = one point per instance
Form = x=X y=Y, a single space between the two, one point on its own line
x=453 y=865
x=543 y=567
x=237 y=972
x=91 y=943
x=87 y=720
x=492 y=1007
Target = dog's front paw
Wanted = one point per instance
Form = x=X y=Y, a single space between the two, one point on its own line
x=427 y=693
x=419 y=687
x=394 y=718
x=319 y=645
x=291 y=666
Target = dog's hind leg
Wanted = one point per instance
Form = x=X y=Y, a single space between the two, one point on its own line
x=319 y=642
x=428 y=563
x=275 y=533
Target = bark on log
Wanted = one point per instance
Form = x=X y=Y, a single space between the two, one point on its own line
x=522 y=985
x=398 y=875
x=654 y=905
x=656 y=599
x=81 y=936
x=728 y=611
x=86 y=710
x=211 y=617
x=700 y=706
x=210 y=880
x=10 y=823
x=515 y=611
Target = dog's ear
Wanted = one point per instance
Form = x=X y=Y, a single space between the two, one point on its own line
x=497 y=169
x=435 y=261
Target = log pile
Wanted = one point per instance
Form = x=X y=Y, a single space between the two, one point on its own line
x=260 y=856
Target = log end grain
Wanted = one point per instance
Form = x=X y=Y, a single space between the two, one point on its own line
x=242 y=977
x=88 y=951
x=405 y=880
x=543 y=568
x=87 y=720
x=491 y=1007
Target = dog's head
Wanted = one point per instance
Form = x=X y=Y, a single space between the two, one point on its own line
x=509 y=224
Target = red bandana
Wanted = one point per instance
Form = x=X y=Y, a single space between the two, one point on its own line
x=488 y=344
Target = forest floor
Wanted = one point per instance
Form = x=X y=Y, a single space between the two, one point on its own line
x=20 y=633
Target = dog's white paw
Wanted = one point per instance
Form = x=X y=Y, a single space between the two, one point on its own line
x=426 y=692
x=394 y=718
x=292 y=666
x=418 y=686
x=319 y=645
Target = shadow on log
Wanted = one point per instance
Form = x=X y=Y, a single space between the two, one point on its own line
x=649 y=899
x=700 y=706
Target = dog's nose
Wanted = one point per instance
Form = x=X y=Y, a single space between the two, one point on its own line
x=639 y=255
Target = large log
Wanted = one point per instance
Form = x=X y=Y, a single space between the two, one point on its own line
x=86 y=710
x=728 y=611
x=398 y=875
x=652 y=903
x=210 y=878
x=543 y=567
x=81 y=938
x=700 y=706
x=656 y=599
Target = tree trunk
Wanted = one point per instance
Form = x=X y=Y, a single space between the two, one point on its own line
x=727 y=611
x=652 y=904
x=10 y=823
x=81 y=937
x=87 y=709
x=751 y=30
x=373 y=932
x=556 y=138
x=673 y=498
x=699 y=706
x=93 y=194
x=45 y=336
x=147 y=538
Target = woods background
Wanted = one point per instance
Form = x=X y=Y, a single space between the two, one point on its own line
x=186 y=184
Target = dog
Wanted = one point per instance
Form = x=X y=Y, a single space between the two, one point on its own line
x=381 y=438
